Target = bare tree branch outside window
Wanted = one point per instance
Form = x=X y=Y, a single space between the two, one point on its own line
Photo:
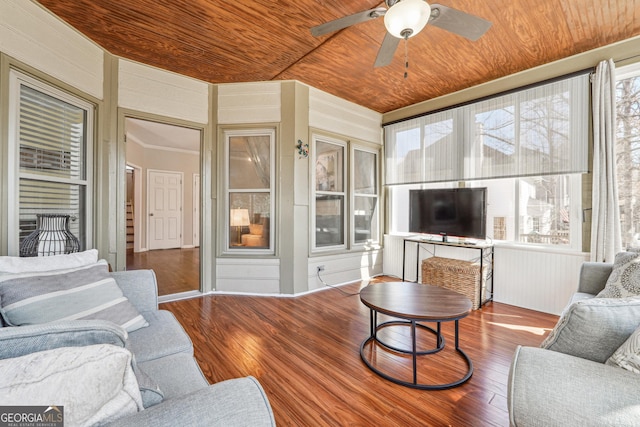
x=628 y=158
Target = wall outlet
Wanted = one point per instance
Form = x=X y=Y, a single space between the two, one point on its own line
x=320 y=268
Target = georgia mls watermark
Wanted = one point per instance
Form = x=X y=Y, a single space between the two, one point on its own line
x=31 y=416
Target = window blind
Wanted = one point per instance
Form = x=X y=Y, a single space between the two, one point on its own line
x=535 y=131
x=52 y=136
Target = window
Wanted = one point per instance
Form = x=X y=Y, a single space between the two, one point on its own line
x=330 y=193
x=50 y=151
x=365 y=197
x=335 y=200
x=249 y=182
x=527 y=147
x=536 y=210
x=628 y=152
x=544 y=214
x=536 y=131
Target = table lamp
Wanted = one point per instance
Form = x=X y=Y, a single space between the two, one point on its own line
x=239 y=219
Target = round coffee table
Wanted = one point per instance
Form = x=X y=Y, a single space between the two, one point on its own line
x=413 y=303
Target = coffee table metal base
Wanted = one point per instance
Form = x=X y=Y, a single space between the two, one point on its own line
x=414 y=352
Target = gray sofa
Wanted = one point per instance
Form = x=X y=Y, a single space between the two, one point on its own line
x=566 y=382
x=174 y=390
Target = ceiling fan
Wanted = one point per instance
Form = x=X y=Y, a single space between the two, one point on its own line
x=406 y=18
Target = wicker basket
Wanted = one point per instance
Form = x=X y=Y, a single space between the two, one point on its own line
x=456 y=275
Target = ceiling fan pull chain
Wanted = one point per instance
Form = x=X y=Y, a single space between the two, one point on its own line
x=406 y=57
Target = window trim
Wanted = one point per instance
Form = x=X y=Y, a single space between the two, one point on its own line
x=227 y=134
x=352 y=196
x=344 y=143
x=631 y=71
x=18 y=78
x=575 y=215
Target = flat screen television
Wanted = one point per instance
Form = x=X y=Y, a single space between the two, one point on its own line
x=460 y=212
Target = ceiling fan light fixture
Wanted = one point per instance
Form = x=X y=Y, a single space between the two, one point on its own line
x=406 y=18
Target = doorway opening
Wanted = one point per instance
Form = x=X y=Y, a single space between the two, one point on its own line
x=162 y=204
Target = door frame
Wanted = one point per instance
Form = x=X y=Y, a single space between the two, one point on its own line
x=149 y=172
x=208 y=190
x=195 y=211
x=137 y=211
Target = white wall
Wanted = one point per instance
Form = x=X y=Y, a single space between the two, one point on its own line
x=536 y=278
x=166 y=160
x=249 y=103
x=344 y=268
x=255 y=276
x=150 y=90
x=30 y=34
x=336 y=115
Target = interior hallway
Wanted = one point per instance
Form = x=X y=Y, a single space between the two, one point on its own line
x=177 y=270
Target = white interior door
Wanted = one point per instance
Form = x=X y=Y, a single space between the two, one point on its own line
x=165 y=209
x=196 y=210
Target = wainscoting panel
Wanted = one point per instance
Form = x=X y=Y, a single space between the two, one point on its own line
x=251 y=276
x=344 y=268
x=415 y=253
x=536 y=278
x=392 y=258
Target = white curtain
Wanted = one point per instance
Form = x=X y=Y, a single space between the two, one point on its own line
x=606 y=238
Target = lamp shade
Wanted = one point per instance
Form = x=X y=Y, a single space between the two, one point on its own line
x=407 y=18
x=239 y=217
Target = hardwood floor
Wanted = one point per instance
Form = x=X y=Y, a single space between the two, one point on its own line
x=305 y=353
x=177 y=270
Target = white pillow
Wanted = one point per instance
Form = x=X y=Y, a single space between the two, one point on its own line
x=628 y=355
x=94 y=384
x=88 y=292
x=14 y=264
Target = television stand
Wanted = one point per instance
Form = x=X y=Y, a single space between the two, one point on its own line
x=485 y=261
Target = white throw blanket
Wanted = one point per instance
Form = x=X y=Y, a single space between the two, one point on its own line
x=95 y=384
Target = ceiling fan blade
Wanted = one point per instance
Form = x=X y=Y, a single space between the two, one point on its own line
x=347 y=21
x=458 y=22
x=388 y=48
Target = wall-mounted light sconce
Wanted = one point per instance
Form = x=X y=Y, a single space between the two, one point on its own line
x=303 y=149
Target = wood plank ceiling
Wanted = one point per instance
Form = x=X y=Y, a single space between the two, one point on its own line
x=262 y=40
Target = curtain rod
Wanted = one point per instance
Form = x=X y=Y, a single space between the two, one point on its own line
x=495 y=95
x=626 y=59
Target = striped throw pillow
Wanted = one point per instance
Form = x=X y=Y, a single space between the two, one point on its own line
x=87 y=292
